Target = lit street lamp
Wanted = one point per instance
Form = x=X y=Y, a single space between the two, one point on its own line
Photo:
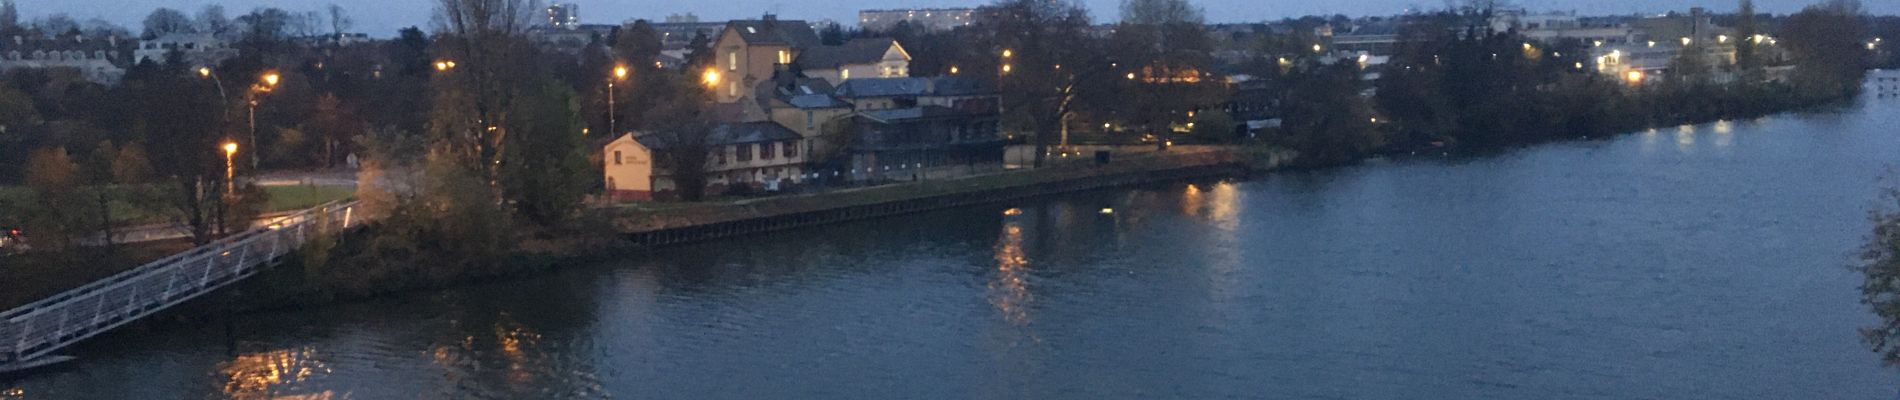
x=270 y=82
x=620 y=72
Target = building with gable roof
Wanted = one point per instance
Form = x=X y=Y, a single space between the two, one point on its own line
x=858 y=58
x=754 y=155
x=748 y=52
x=100 y=60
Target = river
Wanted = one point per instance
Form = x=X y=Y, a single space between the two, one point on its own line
x=1696 y=262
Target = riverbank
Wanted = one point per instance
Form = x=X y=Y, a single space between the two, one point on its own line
x=626 y=230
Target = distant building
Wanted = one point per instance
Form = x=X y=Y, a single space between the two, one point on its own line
x=923 y=142
x=564 y=15
x=101 y=60
x=197 y=48
x=858 y=58
x=929 y=19
x=571 y=39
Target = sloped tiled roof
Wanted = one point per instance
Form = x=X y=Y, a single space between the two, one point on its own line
x=856 y=51
x=726 y=134
x=797 y=34
x=960 y=86
x=883 y=87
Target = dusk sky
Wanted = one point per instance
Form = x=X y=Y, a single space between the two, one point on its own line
x=383 y=17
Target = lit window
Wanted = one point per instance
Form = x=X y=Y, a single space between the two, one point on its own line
x=732 y=61
x=784 y=57
x=844 y=74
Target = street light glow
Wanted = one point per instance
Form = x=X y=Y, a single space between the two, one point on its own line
x=1316 y=48
x=270 y=79
x=954 y=70
x=230 y=148
x=204 y=72
x=1007 y=53
x=620 y=72
x=1634 y=76
x=1007 y=68
x=712 y=77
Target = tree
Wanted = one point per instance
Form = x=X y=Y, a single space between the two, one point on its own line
x=166 y=21
x=211 y=20
x=1748 y=63
x=1052 y=62
x=485 y=38
x=56 y=24
x=51 y=222
x=9 y=17
x=1326 y=121
x=832 y=35
x=1824 y=41
x=340 y=20
x=546 y=165
x=1160 y=12
x=1880 y=270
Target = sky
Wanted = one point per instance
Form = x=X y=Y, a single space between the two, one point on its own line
x=382 y=18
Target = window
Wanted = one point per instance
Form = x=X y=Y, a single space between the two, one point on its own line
x=784 y=57
x=844 y=74
x=809 y=117
x=732 y=89
x=719 y=156
x=791 y=149
x=610 y=183
x=616 y=157
x=732 y=60
x=743 y=153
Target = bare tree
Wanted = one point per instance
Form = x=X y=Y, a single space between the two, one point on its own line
x=1161 y=12
x=483 y=38
x=339 y=20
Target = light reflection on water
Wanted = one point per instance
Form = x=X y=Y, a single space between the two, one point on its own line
x=274 y=374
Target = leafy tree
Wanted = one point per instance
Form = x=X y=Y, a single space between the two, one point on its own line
x=211 y=20
x=1326 y=121
x=546 y=166
x=1824 y=41
x=832 y=35
x=165 y=21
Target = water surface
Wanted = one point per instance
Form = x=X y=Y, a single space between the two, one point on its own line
x=1697 y=262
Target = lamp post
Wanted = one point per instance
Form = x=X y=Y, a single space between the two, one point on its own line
x=620 y=72
x=269 y=82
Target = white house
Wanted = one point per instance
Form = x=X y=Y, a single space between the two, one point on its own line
x=198 y=48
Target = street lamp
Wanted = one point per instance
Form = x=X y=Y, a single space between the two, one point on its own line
x=620 y=72
x=1634 y=76
x=712 y=78
x=270 y=82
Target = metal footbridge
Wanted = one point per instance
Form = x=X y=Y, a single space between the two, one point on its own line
x=30 y=333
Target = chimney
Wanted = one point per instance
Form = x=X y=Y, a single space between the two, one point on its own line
x=770 y=17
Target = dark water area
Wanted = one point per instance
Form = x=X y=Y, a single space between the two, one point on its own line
x=1699 y=262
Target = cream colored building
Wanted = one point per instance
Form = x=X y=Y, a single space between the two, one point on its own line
x=858 y=58
x=756 y=155
x=749 y=52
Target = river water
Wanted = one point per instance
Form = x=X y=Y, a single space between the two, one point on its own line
x=1696 y=262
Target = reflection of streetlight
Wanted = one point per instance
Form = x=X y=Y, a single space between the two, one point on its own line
x=230 y=172
x=1007 y=68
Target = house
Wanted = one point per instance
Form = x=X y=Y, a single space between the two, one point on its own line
x=748 y=52
x=753 y=155
x=922 y=142
x=858 y=58
x=806 y=106
x=100 y=60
